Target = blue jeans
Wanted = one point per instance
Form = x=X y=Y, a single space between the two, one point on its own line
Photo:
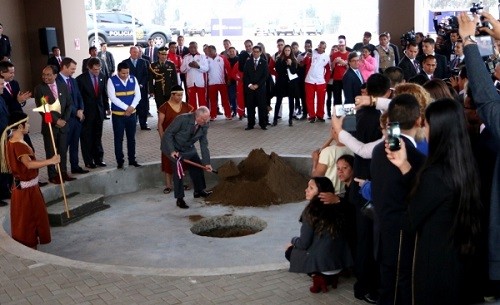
x=123 y=124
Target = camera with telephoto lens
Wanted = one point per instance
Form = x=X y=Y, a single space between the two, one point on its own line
x=407 y=37
x=477 y=9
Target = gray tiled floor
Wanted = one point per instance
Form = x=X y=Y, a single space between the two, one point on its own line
x=25 y=280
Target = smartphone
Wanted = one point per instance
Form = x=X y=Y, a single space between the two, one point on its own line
x=346 y=109
x=485 y=44
x=393 y=136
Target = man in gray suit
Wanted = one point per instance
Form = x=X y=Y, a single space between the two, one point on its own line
x=178 y=143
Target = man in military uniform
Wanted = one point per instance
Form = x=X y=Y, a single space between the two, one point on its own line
x=162 y=77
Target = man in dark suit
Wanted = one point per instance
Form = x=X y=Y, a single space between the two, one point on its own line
x=352 y=79
x=107 y=59
x=178 y=142
x=52 y=90
x=389 y=190
x=367 y=130
x=4 y=121
x=442 y=70
x=409 y=64
x=92 y=86
x=56 y=58
x=139 y=68
x=428 y=71
x=14 y=98
x=255 y=74
x=151 y=51
x=459 y=59
x=182 y=50
x=68 y=68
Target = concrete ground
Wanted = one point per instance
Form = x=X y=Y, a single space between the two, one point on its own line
x=35 y=277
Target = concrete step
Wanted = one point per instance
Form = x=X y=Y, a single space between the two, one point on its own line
x=80 y=206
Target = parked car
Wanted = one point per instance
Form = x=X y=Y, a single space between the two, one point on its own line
x=287 y=28
x=312 y=26
x=114 y=27
x=265 y=30
x=192 y=29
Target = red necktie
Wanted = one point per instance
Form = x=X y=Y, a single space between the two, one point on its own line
x=96 y=86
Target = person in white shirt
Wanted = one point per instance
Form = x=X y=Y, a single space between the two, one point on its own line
x=124 y=94
x=218 y=67
x=318 y=72
x=194 y=65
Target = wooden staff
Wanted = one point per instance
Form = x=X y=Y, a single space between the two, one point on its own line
x=66 y=208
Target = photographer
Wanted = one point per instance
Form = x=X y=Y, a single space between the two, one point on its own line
x=488 y=107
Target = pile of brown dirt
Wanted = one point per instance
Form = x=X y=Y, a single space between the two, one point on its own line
x=259 y=180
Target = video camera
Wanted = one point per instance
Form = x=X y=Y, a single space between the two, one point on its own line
x=407 y=37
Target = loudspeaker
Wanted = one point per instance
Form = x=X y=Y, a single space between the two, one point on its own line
x=48 y=39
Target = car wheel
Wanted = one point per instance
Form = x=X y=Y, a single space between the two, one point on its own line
x=202 y=33
x=159 y=40
x=100 y=40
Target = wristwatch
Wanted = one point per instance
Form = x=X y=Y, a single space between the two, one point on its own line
x=469 y=38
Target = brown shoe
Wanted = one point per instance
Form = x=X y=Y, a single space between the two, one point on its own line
x=55 y=180
x=67 y=177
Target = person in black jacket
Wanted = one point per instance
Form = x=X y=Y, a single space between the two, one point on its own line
x=286 y=66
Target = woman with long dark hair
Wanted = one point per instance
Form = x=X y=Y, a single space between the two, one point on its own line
x=285 y=64
x=444 y=206
x=321 y=250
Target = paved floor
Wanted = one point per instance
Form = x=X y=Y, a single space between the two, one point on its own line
x=26 y=277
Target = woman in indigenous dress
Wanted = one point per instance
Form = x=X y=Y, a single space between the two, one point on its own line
x=28 y=213
x=166 y=114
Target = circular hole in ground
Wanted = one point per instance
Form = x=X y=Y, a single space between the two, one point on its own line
x=228 y=226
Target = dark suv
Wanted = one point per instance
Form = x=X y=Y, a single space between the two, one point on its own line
x=116 y=28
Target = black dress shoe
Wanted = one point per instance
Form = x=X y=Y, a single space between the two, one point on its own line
x=79 y=170
x=134 y=164
x=248 y=128
x=145 y=128
x=182 y=204
x=263 y=127
x=203 y=194
x=101 y=164
x=3 y=203
x=119 y=166
x=320 y=120
x=368 y=298
x=67 y=177
x=91 y=165
x=55 y=180
x=42 y=184
x=275 y=123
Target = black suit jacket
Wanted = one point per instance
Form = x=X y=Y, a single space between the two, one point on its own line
x=389 y=191
x=95 y=105
x=255 y=76
x=420 y=78
x=54 y=62
x=408 y=68
x=64 y=99
x=76 y=97
x=109 y=68
x=442 y=70
x=185 y=51
x=155 y=53
x=351 y=84
x=11 y=99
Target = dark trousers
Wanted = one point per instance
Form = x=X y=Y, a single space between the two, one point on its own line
x=91 y=138
x=74 y=130
x=5 y=182
x=197 y=175
x=60 y=139
x=143 y=109
x=123 y=124
x=184 y=84
x=231 y=92
x=279 y=100
x=302 y=93
x=337 y=92
x=256 y=98
x=329 y=95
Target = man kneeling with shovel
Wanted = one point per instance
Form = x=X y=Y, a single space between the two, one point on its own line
x=178 y=144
